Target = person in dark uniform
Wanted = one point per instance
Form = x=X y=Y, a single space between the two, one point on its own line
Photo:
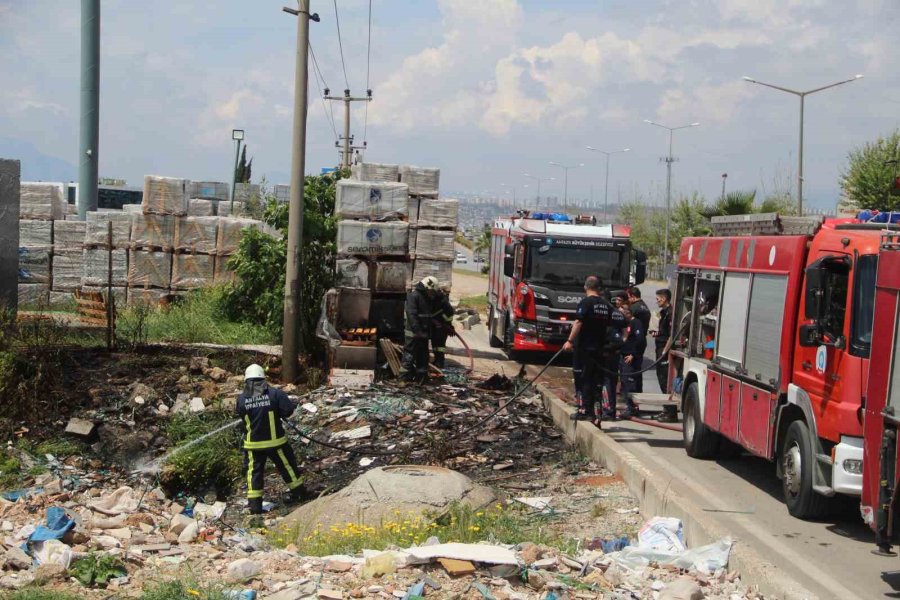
x=641 y=311
x=441 y=326
x=615 y=339
x=261 y=409
x=418 y=328
x=632 y=355
x=661 y=337
x=588 y=337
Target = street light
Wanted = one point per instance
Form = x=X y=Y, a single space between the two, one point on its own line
x=513 y=188
x=606 y=193
x=539 y=180
x=802 y=96
x=669 y=160
x=566 y=188
x=237 y=135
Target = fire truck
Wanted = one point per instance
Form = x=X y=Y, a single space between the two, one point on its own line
x=772 y=330
x=538 y=264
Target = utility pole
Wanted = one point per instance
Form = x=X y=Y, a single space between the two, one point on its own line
x=348 y=141
x=606 y=193
x=566 y=168
x=292 y=341
x=724 y=177
x=89 y=136
x=539 y=180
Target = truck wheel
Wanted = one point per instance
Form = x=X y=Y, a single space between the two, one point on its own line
x=797 y=464
x=493 y=340
x=699 y=440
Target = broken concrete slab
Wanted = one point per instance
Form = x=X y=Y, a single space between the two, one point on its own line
x=481 y=553
x=81 y=428
x=456 y=567
x=373 y=497
x=196 y=405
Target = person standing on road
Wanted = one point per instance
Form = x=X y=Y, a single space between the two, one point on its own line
x=632 y=355
x=261 y=409
x=441 y=326
x=641 y=311
x=661 y=337
x=588 y=337
x=609 y=361
x=418 y=328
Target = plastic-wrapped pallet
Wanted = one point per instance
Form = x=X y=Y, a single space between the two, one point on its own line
x=146 y=296
x=351 y=273
x=164 y=195
x=197 y=234
x=373 y=239
x=68 y=235
x=422 y=181
x=224 y=209
x=34 y=264
x=97 y=229
x=131 y=209
x=222 y=273
x=149 y=269
x=243 y=192
x=413 y=237
x=442 y=269
x=210 y=190
x=231 y=230
x=153 y=231
x=42 y=201
x=33 y=295
x=392 y=276
x=376 y=172
x=120 y=294
x=199 y=207
x=96 y=267
x=443 y=213
x=60 y=300
x=33 y=232
x=68 y=266
x=192 y=271
x=435 y=244
x=367 y=200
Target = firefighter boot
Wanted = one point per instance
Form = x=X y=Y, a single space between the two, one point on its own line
x=255 y=506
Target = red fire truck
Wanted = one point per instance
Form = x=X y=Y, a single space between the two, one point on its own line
x=538 y=264
x=882 y=405
x=772 y=333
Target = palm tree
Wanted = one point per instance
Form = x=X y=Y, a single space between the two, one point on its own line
x=732 y=203
x=483 y=243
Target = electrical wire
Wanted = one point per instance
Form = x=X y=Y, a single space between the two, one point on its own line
x=337 y=21
x=326 y=106
x=368 y=71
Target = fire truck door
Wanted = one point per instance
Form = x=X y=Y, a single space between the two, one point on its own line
x=817 y=365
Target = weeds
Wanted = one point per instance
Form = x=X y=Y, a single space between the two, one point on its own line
x=131 y=325
x=461 y=523
x=215 y=464
x=97 y=569
x=10 y=471
x=37 y=594
x=183 y=589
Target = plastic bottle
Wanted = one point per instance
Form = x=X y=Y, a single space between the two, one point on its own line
x=240 y=595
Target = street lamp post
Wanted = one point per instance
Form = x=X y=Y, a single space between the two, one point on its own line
x=669 y=160
x=237 y=135
x=606 y=185
x=566 y=168
x=802 y=96
x=539 y=180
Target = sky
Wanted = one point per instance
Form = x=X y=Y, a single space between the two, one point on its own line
x=486 y=90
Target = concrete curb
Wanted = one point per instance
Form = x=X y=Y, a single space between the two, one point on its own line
x=656 y=498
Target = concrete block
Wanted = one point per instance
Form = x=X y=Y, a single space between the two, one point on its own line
x=9 y=232
x=81 y=427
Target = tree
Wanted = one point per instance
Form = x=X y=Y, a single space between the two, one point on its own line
x=868 y=179
x=733 y=203
x=244 y=169
x=688 y=220
x=483 y=241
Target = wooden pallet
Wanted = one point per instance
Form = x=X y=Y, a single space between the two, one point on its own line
x=393 y=357
x=92 y=309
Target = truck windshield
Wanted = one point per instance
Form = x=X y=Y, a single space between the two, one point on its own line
x=562 y=266
x=863 y=304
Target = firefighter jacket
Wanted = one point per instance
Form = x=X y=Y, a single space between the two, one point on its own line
x=418 y=311
x=262 y=411
x=441 y=311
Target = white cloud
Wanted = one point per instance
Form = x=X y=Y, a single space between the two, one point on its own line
x=706 y=102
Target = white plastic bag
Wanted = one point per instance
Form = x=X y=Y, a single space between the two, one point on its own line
x=662 y=533
x=704 y=559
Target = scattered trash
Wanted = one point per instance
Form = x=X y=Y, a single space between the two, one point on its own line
x=703 y=559
x=662 y=533
x=542 y=504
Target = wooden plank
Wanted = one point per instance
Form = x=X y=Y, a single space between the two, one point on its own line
x=93 y=312
x=391 y=354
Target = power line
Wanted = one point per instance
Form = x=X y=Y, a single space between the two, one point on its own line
x=337 y=22
x=326 y=106
x=368 y=70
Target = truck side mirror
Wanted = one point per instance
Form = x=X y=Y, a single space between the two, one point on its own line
x=509 y=260
x=640 y=266
x=815 y=288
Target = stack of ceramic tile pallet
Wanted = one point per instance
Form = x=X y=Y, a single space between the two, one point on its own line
x=169 y=244
x=384 y=247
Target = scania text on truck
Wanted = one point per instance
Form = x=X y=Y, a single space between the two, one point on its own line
x=772 y=329
x=538 y=264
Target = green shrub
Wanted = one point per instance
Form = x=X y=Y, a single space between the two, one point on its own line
x=214 y=464
x=182 y=590
x=97 y=569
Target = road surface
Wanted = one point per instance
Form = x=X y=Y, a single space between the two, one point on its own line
x=470 y=264
x=831 y=558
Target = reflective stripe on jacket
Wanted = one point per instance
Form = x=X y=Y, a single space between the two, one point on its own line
x=262 y=416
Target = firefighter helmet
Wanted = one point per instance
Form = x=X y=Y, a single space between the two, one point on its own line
x=254 y=371
x=430 y=283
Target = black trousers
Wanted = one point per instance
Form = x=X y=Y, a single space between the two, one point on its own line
x=255 y=467
x=439 y=346
x=630 y=378
x=610 y=378
x=588 y=374
x=662 y=369
x=415 y=355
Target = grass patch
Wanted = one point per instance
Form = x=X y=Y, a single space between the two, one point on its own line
x=470 y=273
x=479 y=302
x=461 y=523
x=182 y=589
x=37 y=594
x=197 y=317
x=10 y=471
x=215 y=464
x=58 y=447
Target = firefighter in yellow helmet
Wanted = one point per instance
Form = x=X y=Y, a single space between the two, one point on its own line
x=418 y=328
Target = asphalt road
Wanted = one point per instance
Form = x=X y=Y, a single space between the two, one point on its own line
x=470 y=264
x=831 y=558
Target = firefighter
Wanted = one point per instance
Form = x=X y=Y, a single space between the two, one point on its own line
x=261 y=409
x=588 y=337
x=441 y=325
x=418 y=328
x=632 y=354
x=661 y=339
x=641 y=311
